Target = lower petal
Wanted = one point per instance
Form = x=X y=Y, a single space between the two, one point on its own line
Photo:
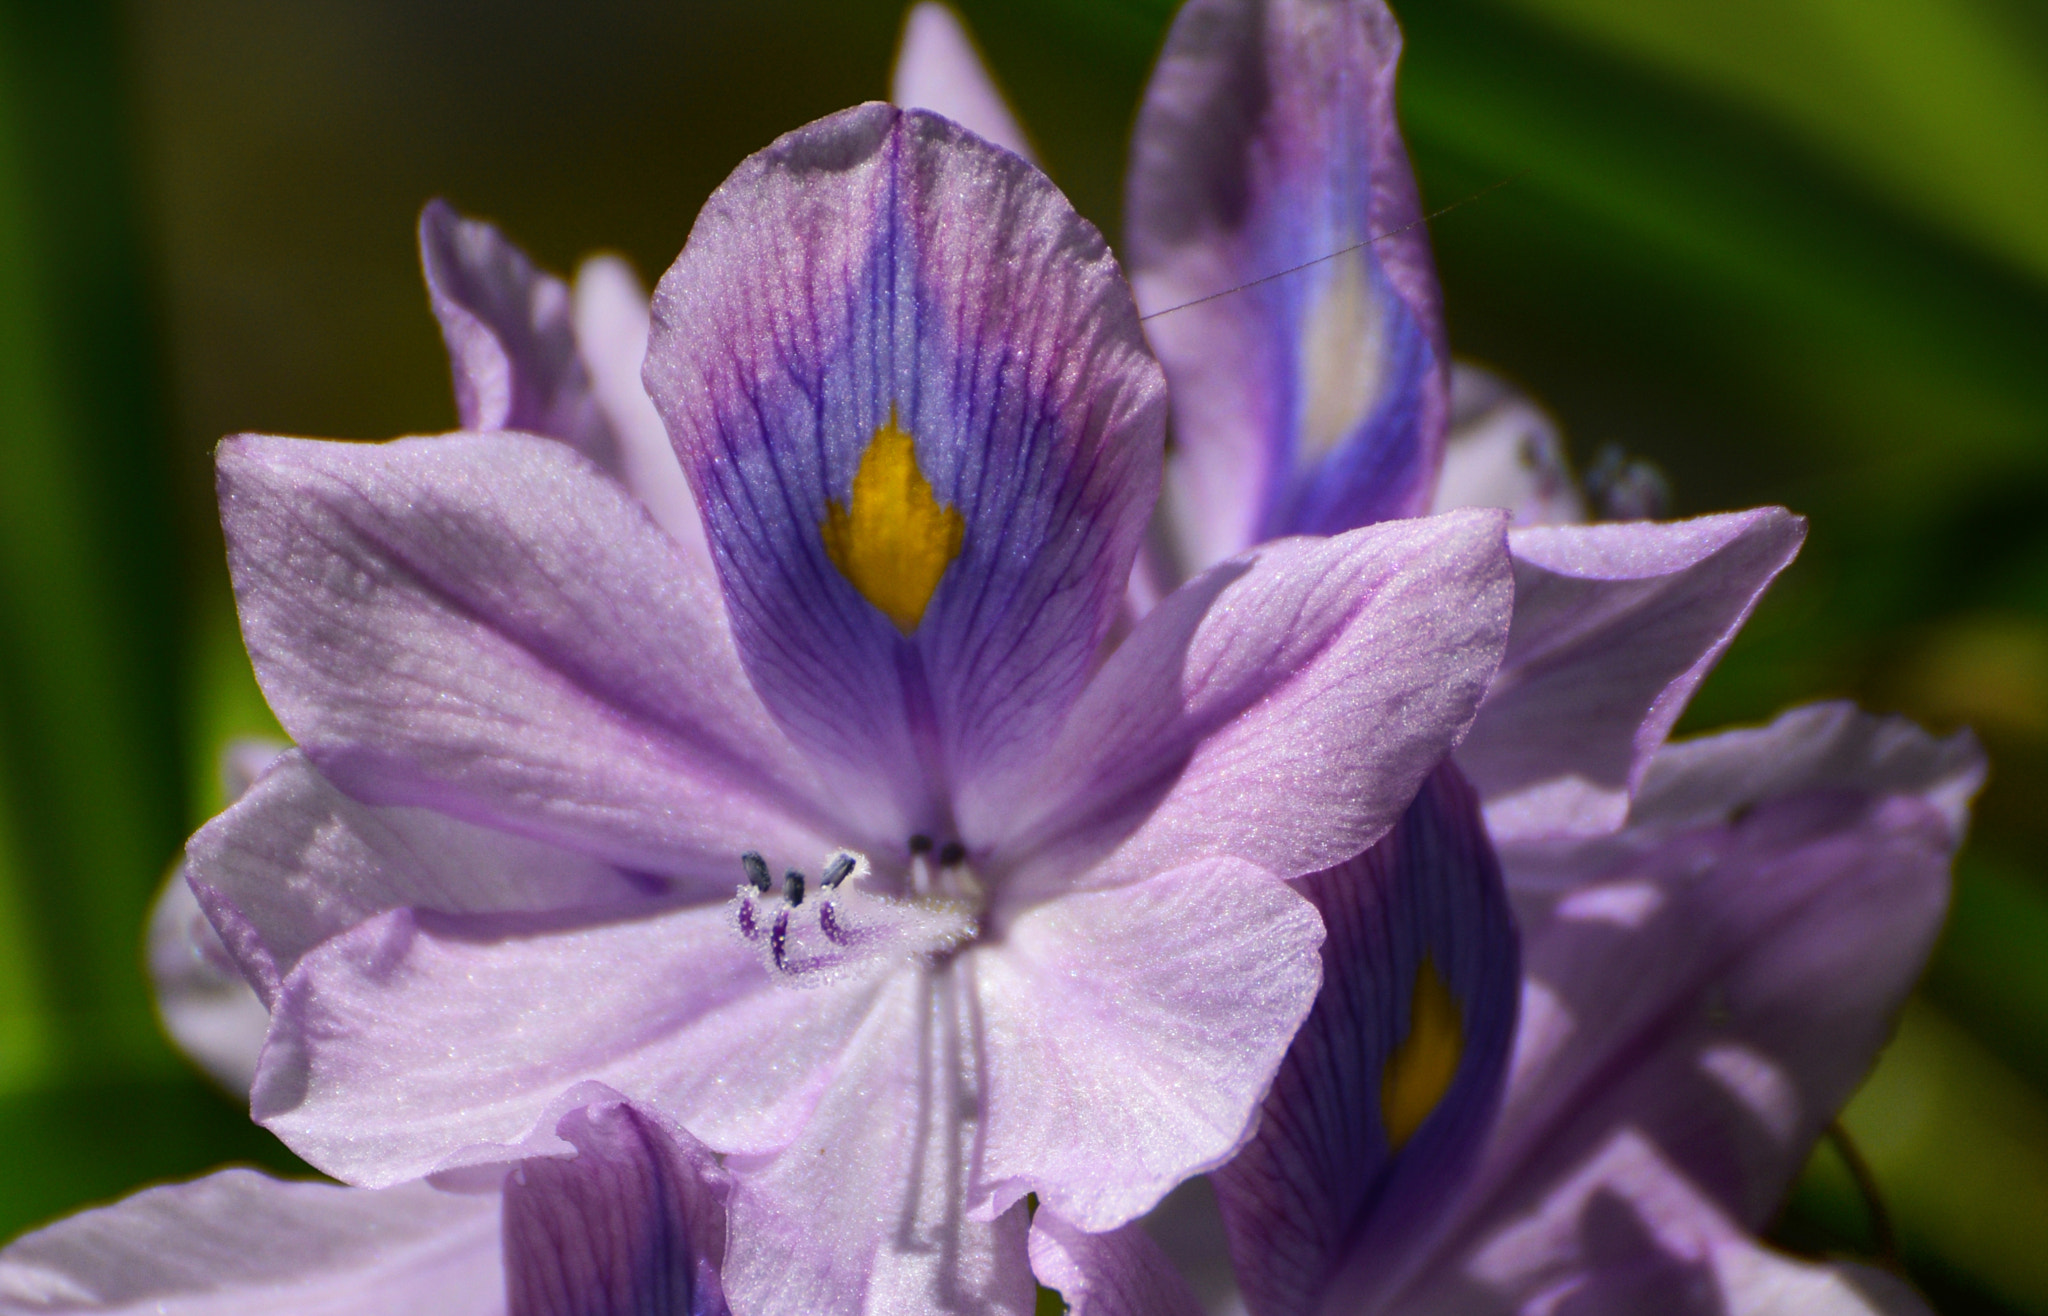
x=416 y=1042
x=1131 y=1033
x=869 y=1209
x=1120 y=1273
x=238 y=1243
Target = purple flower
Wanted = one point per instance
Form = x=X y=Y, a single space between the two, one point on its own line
x=612 y=1215
x=843 y=844
x=1701 y=990
x=1715 y=935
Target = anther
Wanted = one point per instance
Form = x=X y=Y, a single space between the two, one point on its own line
x=793 y=887
x=757 y=870
x=951 y=854
x=920 y=844
x=838 y=870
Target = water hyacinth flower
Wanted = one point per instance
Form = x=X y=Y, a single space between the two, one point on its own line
x=1266 y=162
x=1703 y=988
x=841 y=844
x=610 y=1214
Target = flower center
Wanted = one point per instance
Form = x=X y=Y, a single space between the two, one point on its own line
x=811 y=934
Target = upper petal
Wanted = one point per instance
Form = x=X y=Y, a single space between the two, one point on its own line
x=894 y=355
x=1130 y=1033
x=1282 y=708
x=238 y=1242
x=511 y=337
x=612 y=324
x=1120 y=1273
x=295 y=861
x=632 y=1225
x=1615 y=627
x=1708 y=988
x=1389 y=1090
x=1278 y=252
x=483 y=625
x=938 y=69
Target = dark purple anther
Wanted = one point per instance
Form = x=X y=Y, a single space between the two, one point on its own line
x=837 y=871
x=793 y=887
x=951 y=853
x=828 y=923
x=778 y=941
x=920 y=844
x=757 y=870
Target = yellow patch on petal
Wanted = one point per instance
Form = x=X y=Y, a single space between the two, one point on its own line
x=1339 y=365
x=1421 y=1069
x=896 y=540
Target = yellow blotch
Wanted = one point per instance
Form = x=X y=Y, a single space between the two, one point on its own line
x=1421 y=1069
x=896 y=540
x=1339 y=365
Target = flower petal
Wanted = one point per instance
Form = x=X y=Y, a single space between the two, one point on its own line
x=868 y=1209
x=238 y=1242
x=1282 y=708
x=1278 y=252
x=1615 y=627
x=1714 y=985
x=207 y=1007
x=1120 y=1273
x=1629 y=1233
x=418 y=1042
x=295 y=862
x=511 y=338
x=633 y=1224
x=612 y=324
x=1391 y=1086
x=938 y=69
x=1504 y=451
x=1130 y=1033
x=482 y=625
x=893 y=354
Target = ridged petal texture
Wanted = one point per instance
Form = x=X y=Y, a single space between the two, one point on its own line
x=1277 y=250
x=881 y=273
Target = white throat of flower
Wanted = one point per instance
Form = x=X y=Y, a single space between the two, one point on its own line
x=844 y=925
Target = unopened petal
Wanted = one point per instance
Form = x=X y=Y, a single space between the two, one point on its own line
x=511 y=337
x=938 y=69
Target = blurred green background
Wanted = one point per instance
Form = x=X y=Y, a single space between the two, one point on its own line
x=1793 y=250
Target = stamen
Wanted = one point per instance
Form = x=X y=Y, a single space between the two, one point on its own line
x=951 y=854
x=920 y=844
x=828 y=923
x=757 y=870
x=778 y=941
x=838 y=869
x=749 y=928
x=793 y=888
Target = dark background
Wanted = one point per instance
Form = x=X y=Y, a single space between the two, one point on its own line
x=1793 y=250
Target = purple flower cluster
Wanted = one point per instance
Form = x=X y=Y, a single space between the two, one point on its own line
x=806 y=803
